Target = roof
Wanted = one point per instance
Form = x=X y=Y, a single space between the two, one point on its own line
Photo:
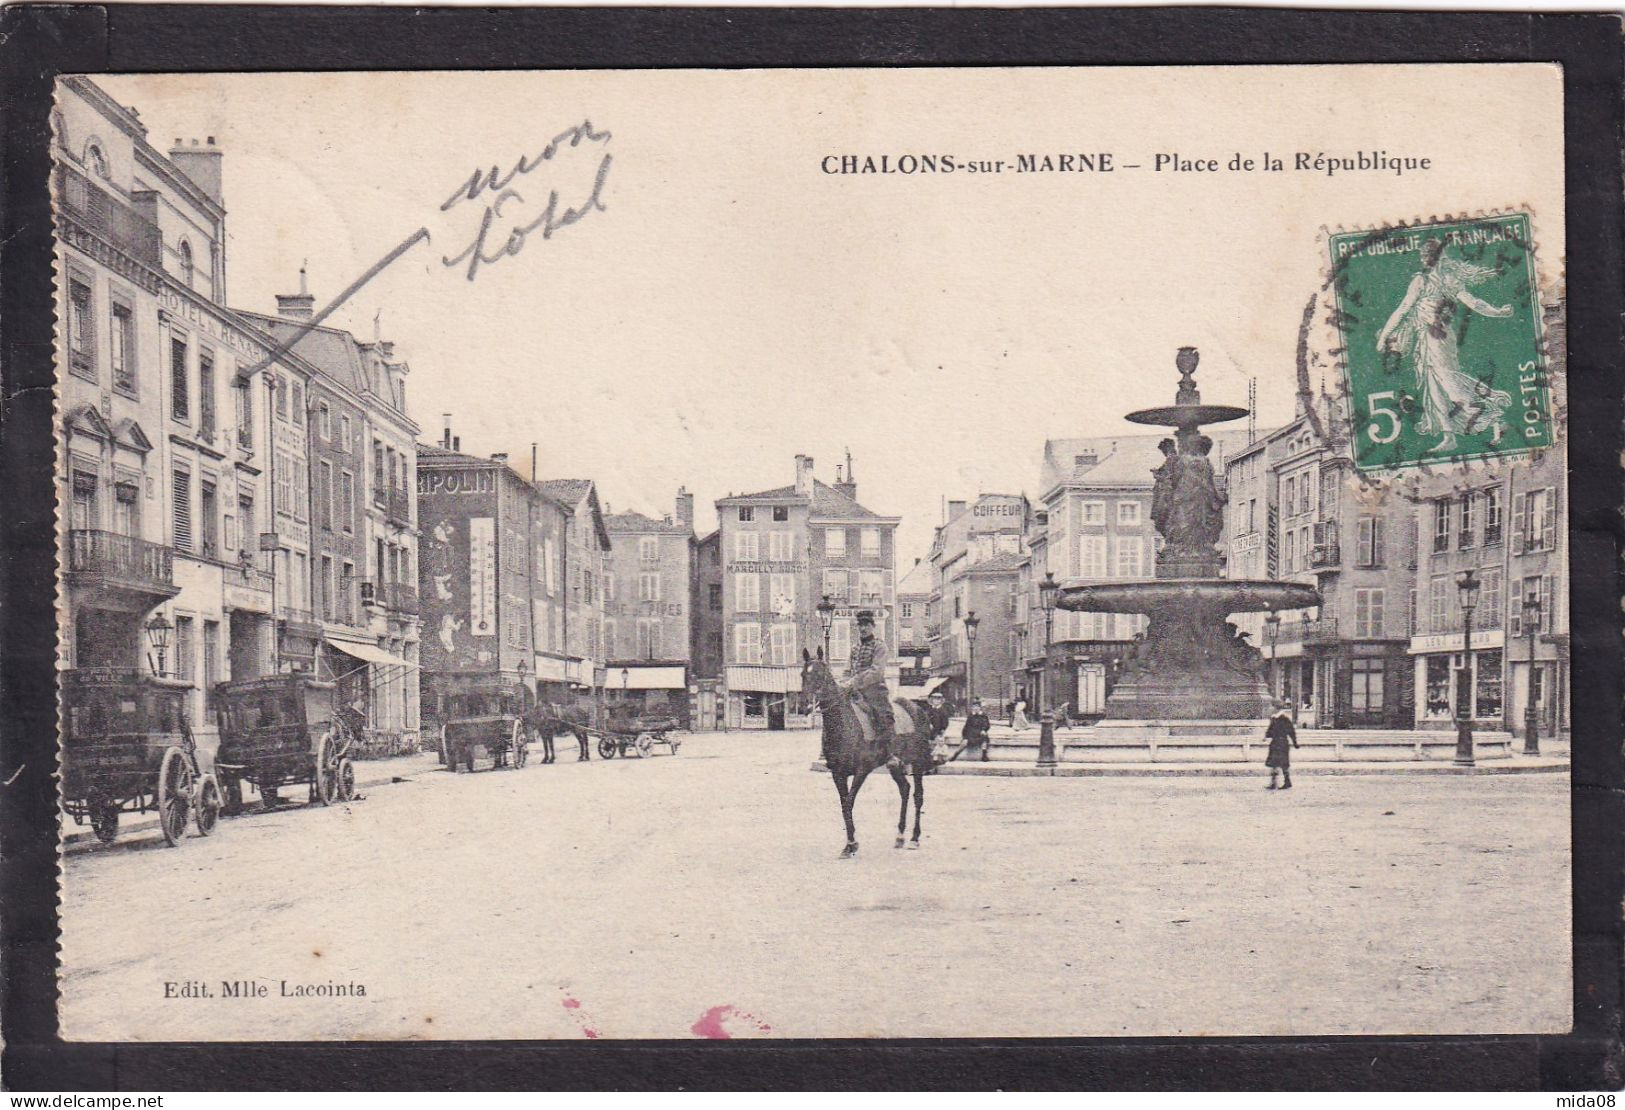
x=637 y=522
x=572 y=492
x=568 y=490
x=917 y=580
x=1127 y=460
x=826 y=503
x=1009 y=560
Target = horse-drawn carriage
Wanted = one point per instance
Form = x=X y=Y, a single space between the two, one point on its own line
x=479 y=714
x=284 y=729
x=629 y=732
x=127 y=748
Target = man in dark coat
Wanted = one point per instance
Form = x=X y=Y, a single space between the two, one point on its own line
x=866 y=682
x=976 y=728
x=1280 y=733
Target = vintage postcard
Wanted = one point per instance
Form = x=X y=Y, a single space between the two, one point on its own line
x=469 y=596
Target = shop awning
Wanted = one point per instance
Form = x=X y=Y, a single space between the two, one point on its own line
x=764 y=680
x=368 y=653
x=650 y=678
x=549 y=669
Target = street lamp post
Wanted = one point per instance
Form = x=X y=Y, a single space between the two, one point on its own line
x=826 y=618
x=1531 y=715
x=1467 y=585
x=626 y=675
x=158 y=629
x=972 y=622
x=1272 y=633
x=1048 y=591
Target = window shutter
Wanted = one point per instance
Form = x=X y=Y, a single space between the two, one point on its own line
x=1520 y=524
x=1546 y=621
x=183 y=510
x=1548 y=521
x=890 y=588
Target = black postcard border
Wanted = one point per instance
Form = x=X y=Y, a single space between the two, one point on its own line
x=37 y=42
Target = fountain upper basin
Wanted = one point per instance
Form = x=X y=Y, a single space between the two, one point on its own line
x=1212 y=595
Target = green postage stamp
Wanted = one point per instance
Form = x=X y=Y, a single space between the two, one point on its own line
x=1441 y=335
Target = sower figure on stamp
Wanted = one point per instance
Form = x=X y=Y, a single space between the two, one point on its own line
x=1279 y=733
x=866 y=682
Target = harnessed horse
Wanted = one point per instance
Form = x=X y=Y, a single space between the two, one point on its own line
x=853 y=748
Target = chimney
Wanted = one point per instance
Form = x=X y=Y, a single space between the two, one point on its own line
x=201 y=165
x=804 y=475
x=1085 y=460
x=955 y=508
x=500 y=457
x=846 y=482
x=685 y=508
x=445 y=436
x=456 y=443
x=296 y=306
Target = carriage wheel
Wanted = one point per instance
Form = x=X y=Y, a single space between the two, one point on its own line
x=646 y=743
x=175 y=783
x=231 y=793
x=104 y=819
x=346 y=780
x=209 y=804
x=324 y=775
x=606 y=748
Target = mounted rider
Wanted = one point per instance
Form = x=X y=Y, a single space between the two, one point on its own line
x=865 y=682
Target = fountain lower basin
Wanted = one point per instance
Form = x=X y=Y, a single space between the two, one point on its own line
x=1207 y=595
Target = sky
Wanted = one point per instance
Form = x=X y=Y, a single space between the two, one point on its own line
x=725 y=304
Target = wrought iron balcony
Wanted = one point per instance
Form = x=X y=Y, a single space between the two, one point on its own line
x=1325 y=555
x=122 y=561
x=99 y=212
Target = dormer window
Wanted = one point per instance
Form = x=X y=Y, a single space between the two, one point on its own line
x=187 y=268
x=96 y=161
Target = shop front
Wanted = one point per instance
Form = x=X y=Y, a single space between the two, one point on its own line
x=768 y=698
x=649 y=689
x=1446 y=677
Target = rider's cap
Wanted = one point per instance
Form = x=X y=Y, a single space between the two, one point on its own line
x=866 y=616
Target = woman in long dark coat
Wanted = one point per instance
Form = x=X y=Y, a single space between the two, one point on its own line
x=1280 y=734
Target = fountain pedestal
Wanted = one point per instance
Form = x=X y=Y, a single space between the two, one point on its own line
x=1192 y=664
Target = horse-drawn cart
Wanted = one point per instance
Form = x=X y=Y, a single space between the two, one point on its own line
x=127 y=748
x=480 y=714
x=284 y=729
x=626 y=734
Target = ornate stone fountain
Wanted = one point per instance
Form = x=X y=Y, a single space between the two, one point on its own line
x=1192 y=664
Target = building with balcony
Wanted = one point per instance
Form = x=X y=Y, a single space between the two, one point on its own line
x=358 y=519
x=782 y=550
x=165 y=497
x=1298 y=511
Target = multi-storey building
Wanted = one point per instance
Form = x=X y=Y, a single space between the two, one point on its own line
x=491 y=579
x=782 y=551
x=976 y=555
x=914 y=624
x=1096 y=494
x=1298 y=512
x=649 y=608
x=586 y=564
x=167 y=453
x=708 y=622
x=363 y=557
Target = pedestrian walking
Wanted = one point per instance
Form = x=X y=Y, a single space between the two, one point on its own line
x=976 y=728
x=1018 y=716
x=1280 y=733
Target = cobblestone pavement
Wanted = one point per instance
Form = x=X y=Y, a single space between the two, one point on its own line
x=701 y=895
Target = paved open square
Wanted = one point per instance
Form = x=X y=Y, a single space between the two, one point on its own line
x=700 y=895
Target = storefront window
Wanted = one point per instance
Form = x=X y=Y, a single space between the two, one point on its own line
x=1438 y=686
x=1489 y=684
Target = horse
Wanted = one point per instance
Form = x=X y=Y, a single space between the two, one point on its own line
x=854 y=748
